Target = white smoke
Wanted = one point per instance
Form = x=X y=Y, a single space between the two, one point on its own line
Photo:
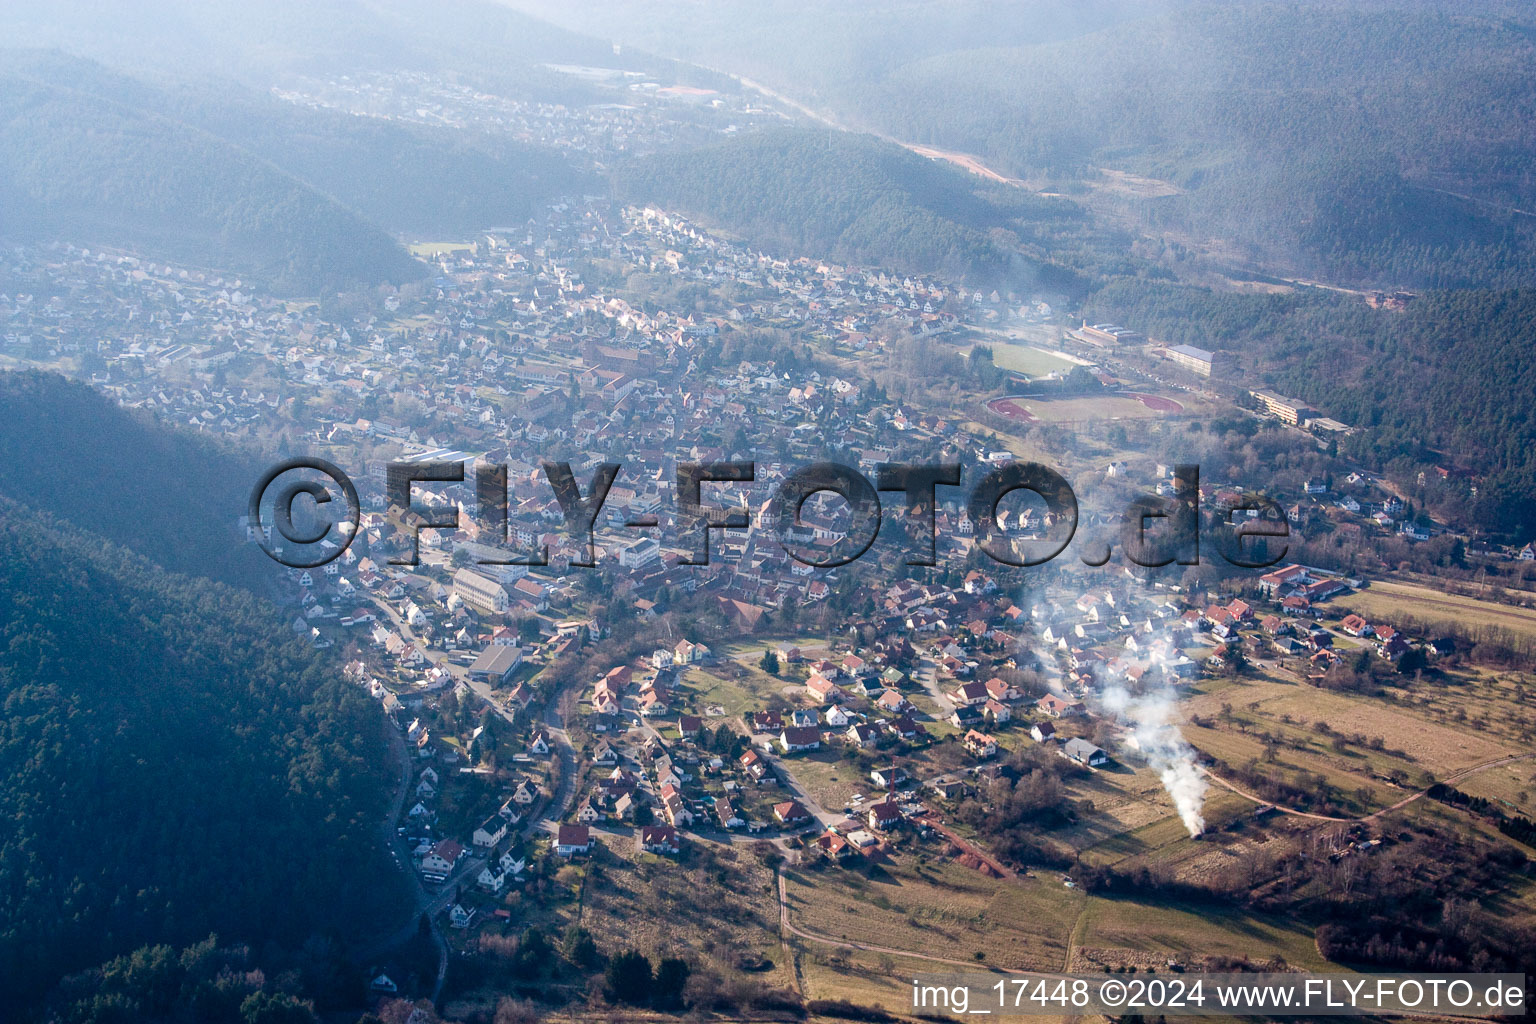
x=1150 y=718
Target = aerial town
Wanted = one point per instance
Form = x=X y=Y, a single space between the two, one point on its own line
x=649 y=710
x=520 y=512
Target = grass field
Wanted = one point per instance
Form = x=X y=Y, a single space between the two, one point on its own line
x=1082 y=409
x=1029 y=360
x=942 y=908
x=1152 y=835
x=704 y=689
x=1293 y=711
x=829 y=779
x=641 y=901
x=438 y=248
x=1173 y=933
x=1386 y=599
x=1505 y=785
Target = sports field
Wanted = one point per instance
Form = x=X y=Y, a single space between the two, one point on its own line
x=1084 y=409
x=1026 y=359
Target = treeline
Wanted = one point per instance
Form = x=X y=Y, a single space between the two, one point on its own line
x=300 y=197
x=855 y=198
x=172 y=762
x=1010 y=813
x=531 y=963
x=1445 y=382
x=1517 y=826
x=204 y=983
x=408 y=179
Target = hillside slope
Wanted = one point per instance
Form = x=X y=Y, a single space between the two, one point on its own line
x=1378 y=143
x=171 y=496
x=95 y=171
x=1446 y=382
x=172 y=763
x=855 y=198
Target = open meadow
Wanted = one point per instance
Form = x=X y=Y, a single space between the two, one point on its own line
x=1388 y=601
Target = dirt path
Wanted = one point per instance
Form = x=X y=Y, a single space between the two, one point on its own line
x=965 y=846
x=787 y=927
x=1293 y=812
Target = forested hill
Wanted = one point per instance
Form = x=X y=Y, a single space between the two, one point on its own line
x=474 y=40
x=856 y=198
x=167 y=494
x=96 y=171
x=1447 y=382
x=1381 y=143
x=412 y=180
x=407 y=178
x=172 y=763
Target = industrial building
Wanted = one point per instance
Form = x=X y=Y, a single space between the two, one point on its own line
x=1198 y=360
x=1286 y=410
x=1109 y=335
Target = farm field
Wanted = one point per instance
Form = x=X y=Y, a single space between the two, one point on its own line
x=1385 y=599
x=1414 y=736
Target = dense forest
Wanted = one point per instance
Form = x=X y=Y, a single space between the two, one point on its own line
x=171 y=496
x=1380 y=143
x=856 y=198
x=406 y=178
x=1446 y=382
x=170 y=755
x=412 y=180
x=171 y=760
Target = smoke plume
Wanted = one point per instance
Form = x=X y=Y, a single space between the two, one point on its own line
x=1150 y=718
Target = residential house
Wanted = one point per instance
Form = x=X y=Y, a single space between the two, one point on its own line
x=1083 y=752
x=439 y=861
x=980 y=744
x=797 y=738
x=662 y=839
x=790 y=812
x=1056 y=707
x=573 y=840
x=490 y=832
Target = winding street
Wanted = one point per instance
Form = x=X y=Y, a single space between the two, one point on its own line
x=434 y=903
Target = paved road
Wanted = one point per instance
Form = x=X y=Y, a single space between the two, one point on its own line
x=928 y=675
x=421 y=900
x=435 y=902
x=793 y=785
x=560 y=801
